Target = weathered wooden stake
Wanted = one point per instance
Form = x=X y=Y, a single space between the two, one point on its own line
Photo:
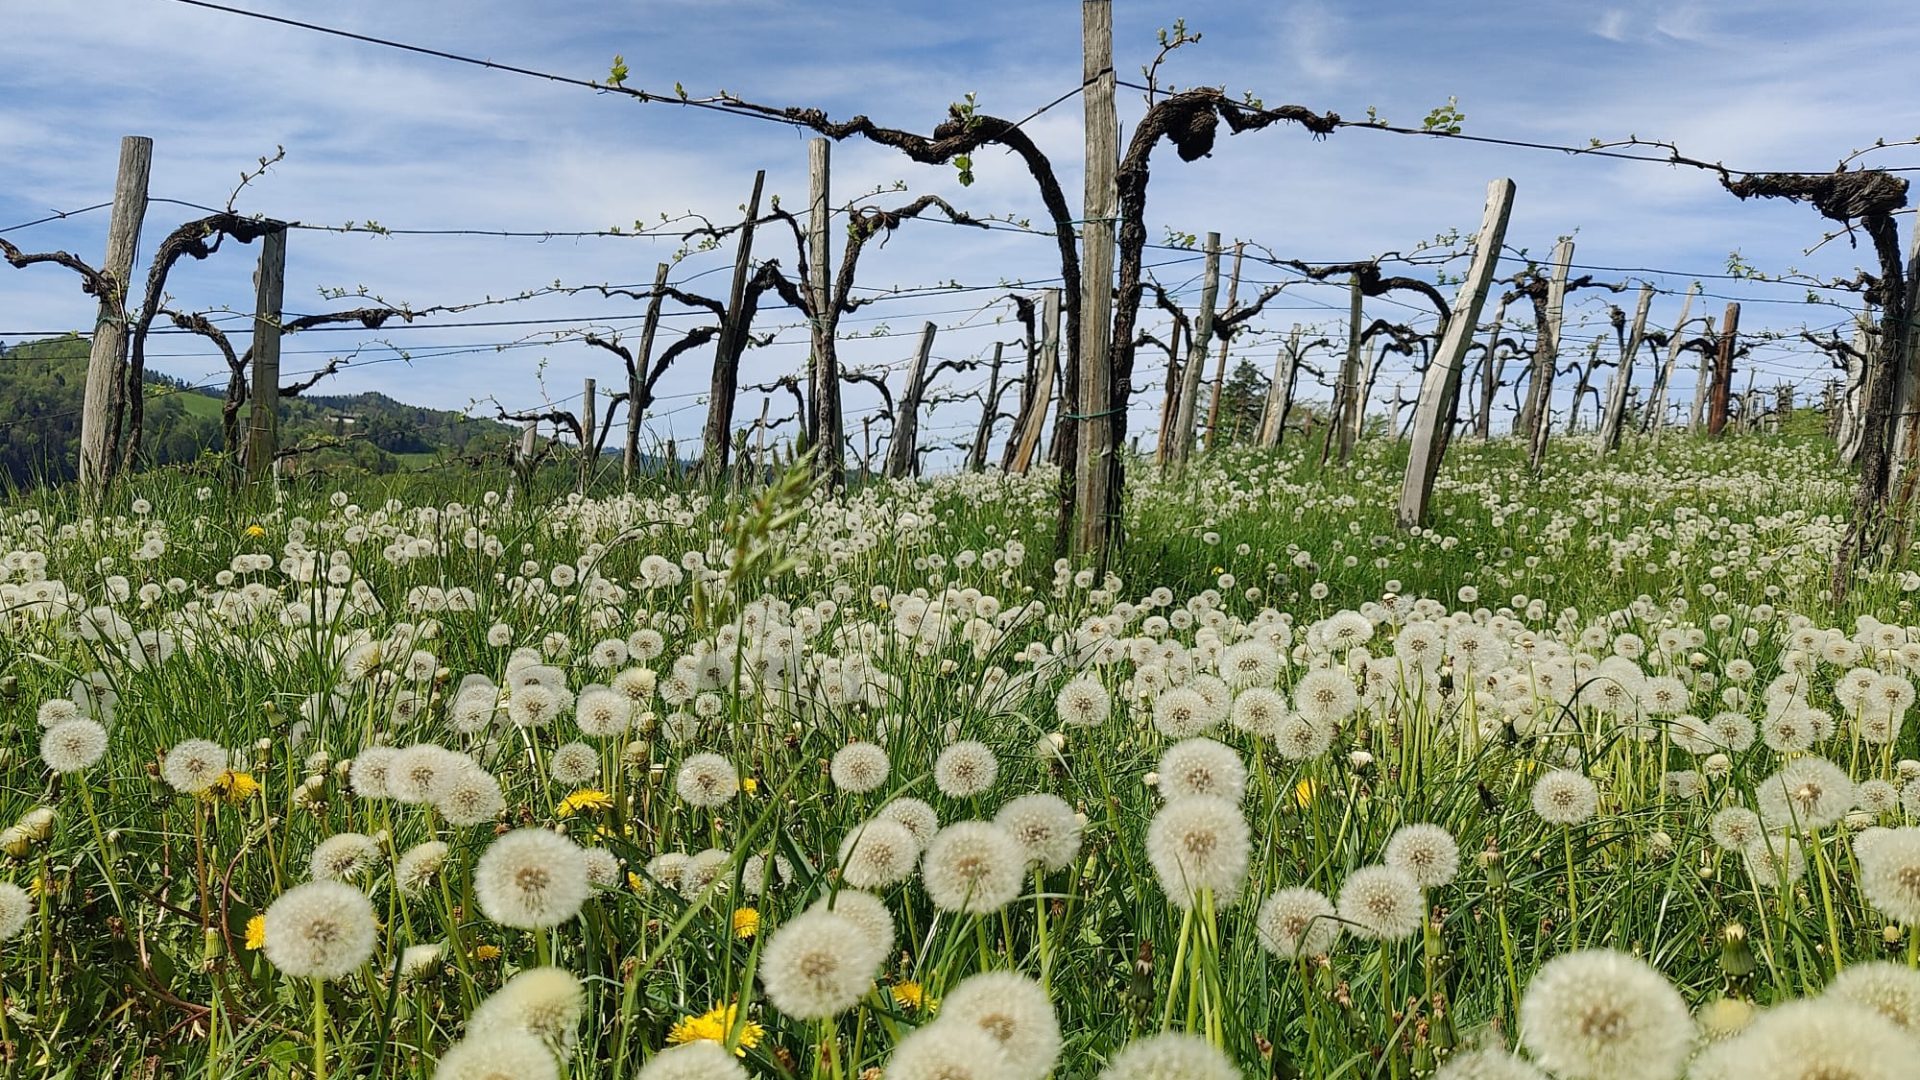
x=1492 y=366
x=1192 y=371
x=1273 y=420
x=903 y=459
x=1663 y=378
x=1723 y=370
x=107 y=356
x=1347 y=393
x=977 y=459
x=1040 y=380
x=263 y=415
x=1093 y=502
x=1547 y=354
x=1220 y=368
x=1623 y=379
x=826 y=425
x=589 y=402
x=637 y=376
x=726 y=363
x=1429 y=421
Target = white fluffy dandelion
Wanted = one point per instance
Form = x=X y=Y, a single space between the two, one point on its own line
x=1888 y=988
x=1428 y=853
x=965 y=769
x=943 y=1051
x=1382 y=903
x=1812 y=1040
x=1488 y=1065
x=194 y=765
x=1890 y=876
x=1171 y=1056
x=72 y=746
x=16 y=907
x=701 y=1060
x=1045 y=827
x=1297 y=923
x=1599 y=1014
x=546 y=1002
x=1202 y=767
x=973 y=867
x=1083 y=702
x=498 y=1055
x=1198 y=845
x=344 y=857
x=1016 y=1012
x=859 y=767
x=707 y=781
x=1807 y=793
x=817 y=965
x=531 y=879
x=1565 y=797
x=878 y=853
x=916 y=815
x=320 y=930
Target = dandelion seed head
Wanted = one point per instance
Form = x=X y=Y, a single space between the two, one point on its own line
x=974 y=867
x=531 y=879
x=1600 y=1014
x=965 y=769
x=1199 y=845
x=1382 y=903
x=320 y=930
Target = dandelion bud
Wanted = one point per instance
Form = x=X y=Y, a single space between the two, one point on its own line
x=1736 y=956
x=1660 y=844
x=1360 y=760
x=1890 y=934
x=212 y=947
x=15 y=841
x=37 y=824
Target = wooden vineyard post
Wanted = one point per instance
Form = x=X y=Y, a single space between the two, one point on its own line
x=1657 y=397
x=1429 y=423
x=977 y=457
x=1623 y=379
x=1093 y=476
x=1723 y=371
x=1702 y=385
x=1906 y=398
x=1547 y=355
x=263 y=414
x=1220 y=368
x=637 y=375
x=1347 y=392
x=1492 y=366
x=588 y=402
x=827 y=425
x=106 y=359
x=1040 y=380
x=903 y=458
x=1280 y=391
x=1196 y=366
x=726 y=361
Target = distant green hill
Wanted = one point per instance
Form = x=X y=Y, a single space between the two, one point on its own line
x=42 y=383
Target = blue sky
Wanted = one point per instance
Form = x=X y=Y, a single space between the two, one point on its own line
x=413 y=142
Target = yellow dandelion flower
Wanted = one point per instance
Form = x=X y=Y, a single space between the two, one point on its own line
x=256 y=931
x=912 y=996
x=746 y=922
x=588 y=799
x=1304 y=793
x=486 y=954
x=750 y=785
x=715 y=1025
x=255 y=532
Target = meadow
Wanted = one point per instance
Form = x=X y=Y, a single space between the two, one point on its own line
x=433 y=776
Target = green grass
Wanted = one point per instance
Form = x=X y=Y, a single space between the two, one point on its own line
x=1713 y=555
